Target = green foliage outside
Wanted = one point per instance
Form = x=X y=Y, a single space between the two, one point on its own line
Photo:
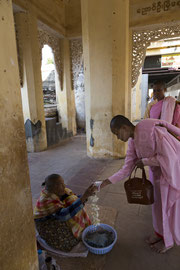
x=50 y=61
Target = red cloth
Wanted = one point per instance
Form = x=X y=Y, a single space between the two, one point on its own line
x=159 y=235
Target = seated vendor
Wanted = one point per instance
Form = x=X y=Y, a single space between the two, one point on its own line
x=59 y=214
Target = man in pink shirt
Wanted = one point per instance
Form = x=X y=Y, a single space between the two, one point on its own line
x=153 y=143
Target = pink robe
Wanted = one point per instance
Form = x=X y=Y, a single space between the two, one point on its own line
x=176 y=118
x=156 y=109
x=164 y=110
x=160 y=150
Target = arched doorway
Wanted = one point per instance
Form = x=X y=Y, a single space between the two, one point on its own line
x=142 y=38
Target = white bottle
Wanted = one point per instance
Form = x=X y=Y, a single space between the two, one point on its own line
x=48 y=263
x=98 y=185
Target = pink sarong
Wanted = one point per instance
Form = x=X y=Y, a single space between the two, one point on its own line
x=164 y=109
x=176 y=117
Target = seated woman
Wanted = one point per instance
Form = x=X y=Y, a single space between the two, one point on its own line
x=59 y=214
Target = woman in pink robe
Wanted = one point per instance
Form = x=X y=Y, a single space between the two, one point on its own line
x=165 y=108
x=150 y=143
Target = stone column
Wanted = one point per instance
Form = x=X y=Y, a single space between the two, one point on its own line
x=65 y=96
x=31 y=91
x=106 y=46
x=17 y=241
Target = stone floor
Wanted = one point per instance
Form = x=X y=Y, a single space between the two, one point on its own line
x=133 y=222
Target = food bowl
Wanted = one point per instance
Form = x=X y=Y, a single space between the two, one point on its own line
x=93 y=228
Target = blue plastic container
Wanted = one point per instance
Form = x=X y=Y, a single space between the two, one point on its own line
x=93 y=228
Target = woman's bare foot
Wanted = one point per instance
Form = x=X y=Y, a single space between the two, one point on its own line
x=153 y=239
x=159 y=247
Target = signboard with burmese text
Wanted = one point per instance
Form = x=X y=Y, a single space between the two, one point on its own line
x=171 y=60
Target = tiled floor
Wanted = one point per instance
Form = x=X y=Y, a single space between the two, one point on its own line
x=133 y=222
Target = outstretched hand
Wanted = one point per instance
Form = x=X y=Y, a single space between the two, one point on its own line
x=89 y=192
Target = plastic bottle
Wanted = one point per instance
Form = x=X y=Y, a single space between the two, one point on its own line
x=47 y=263
x=98 y=185
x=41 y=258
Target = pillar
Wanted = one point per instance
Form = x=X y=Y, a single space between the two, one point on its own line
x=137 y=99
x=144 y=94
x=17 y=242
x=31 y=91
x=65 y=96
x=106 y=49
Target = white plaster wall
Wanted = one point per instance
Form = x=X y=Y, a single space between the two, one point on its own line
x=80 y=100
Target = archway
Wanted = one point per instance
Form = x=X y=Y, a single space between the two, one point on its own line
x=48 y=81
x=141 y=40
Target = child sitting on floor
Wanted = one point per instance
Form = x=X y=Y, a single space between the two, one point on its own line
x=59 y=214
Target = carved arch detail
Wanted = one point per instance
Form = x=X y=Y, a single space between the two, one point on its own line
x=142 y=38
x=46 y=38
x=76 y=50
